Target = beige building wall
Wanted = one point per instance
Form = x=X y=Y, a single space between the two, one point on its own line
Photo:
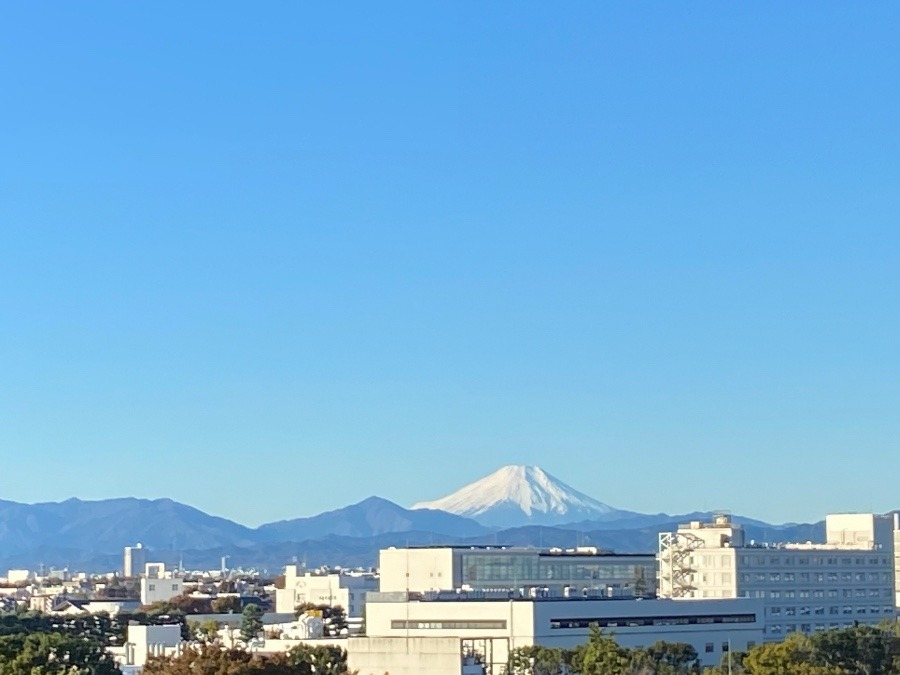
x=416 y=569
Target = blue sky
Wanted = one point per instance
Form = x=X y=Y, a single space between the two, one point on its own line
x=271 y=259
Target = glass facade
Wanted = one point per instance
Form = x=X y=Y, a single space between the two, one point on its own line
x=632 y=574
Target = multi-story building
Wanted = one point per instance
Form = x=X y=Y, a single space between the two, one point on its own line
x=443 y=633
x=339 y=588
x=157 y=584
x=804 y=587
x=581 y=571
x=133 y=560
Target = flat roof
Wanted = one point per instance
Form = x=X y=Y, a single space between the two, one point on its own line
x=525 y=549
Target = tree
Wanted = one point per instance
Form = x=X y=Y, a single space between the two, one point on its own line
x=54 y=653
x=538 y=660
x=601 y=655
x=795 y=655
x=226 y=605
x=205 y=631
x=211 y=660
x=867 y=650
x=251 y=622
x=665 y=658
x=321 y=660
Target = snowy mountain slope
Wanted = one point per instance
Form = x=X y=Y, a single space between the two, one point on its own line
x=519 y=495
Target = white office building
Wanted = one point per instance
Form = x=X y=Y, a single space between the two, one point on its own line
x=446 y=633
x=586 y=572
x=157 y=584
x=339 y=588
x=804 y=587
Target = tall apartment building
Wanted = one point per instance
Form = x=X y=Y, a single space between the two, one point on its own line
x=133 y=560
x=804 y=586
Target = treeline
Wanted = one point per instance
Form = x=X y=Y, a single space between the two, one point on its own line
x=858 y=650
x=213 y=660
x=37 y=644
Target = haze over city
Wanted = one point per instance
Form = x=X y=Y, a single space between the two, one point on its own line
x=270 y=260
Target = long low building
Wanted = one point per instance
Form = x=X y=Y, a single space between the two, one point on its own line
x=584 y=571
x=408 y=632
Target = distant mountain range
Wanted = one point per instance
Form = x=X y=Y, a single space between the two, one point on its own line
x=515 y=506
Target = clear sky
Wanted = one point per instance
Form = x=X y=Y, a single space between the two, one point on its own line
x=269 y=259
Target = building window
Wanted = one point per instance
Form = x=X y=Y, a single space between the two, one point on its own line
x=449 y=625
x=151 y=587
x=725 y=647
x=709 y=647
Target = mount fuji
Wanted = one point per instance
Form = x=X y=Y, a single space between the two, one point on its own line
x=516 y=495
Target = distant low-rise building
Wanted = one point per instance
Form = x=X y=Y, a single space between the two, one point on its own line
x=338 y=588
x=158 y=585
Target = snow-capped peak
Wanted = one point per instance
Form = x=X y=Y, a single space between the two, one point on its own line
x=516 y=494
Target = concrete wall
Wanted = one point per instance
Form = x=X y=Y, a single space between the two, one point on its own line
x=417 y=569
x=145 y=641
x=404 y=656
x=154 y=590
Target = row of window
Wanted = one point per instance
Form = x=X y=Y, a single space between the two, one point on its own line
x=815 y=560
x=473 y=624
x=820 y=577
x=832 y=593
x=635 y=621
x=834 y=609
x=778 y=629
x=710 y=647
x=522 y=569
x=152 y=587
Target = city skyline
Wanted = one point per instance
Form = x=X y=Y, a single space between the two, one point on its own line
x=270 y=261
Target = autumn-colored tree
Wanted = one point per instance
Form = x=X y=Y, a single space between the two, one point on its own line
x=211 y=660
x=226 y=605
